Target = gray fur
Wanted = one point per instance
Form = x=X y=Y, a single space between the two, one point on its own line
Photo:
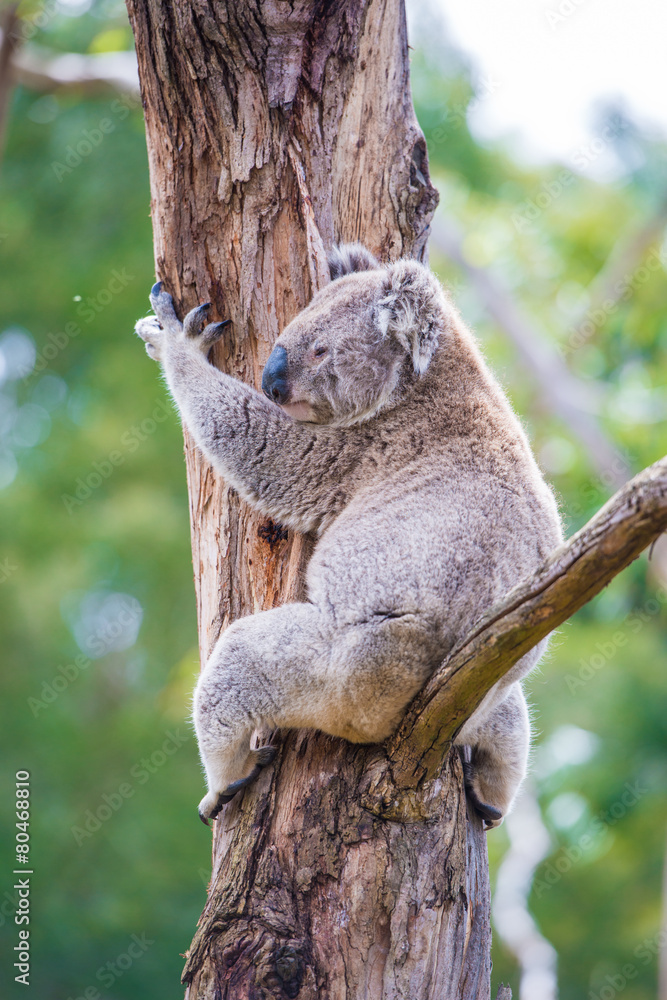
x=399 y=449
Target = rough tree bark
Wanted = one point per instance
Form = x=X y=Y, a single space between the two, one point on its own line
x=275 y=129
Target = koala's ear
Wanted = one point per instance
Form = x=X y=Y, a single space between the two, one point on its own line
x=348 y=258
x=413 y=309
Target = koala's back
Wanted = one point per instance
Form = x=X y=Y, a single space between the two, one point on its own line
x=449 y=510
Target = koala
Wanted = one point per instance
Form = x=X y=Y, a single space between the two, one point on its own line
x=381 y=430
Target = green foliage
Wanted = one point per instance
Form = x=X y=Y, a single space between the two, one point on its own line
x=96 y=506
x=545 y=234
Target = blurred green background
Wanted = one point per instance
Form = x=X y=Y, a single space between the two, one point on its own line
x=96 y=598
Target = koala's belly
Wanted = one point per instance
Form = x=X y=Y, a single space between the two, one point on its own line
x=396 y=560
x=438 y=552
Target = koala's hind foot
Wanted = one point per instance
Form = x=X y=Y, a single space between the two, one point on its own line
x=490 y=815
x=211 y=804
x=495 y=755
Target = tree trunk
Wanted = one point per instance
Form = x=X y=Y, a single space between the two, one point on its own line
x=275 y=129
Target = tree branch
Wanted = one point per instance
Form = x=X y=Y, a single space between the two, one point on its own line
x=573 y=574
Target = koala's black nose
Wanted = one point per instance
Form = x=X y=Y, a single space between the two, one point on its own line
x=274 y=378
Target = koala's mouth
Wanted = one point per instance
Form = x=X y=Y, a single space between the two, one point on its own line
x=299 y=410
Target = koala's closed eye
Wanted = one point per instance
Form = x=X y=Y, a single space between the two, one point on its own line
x=319 y=350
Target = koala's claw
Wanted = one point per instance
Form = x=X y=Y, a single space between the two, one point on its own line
x=213 y=332
x=490 y=815
x=163 y=307
x=263 y=757
x=193 y=327
x=193 y=324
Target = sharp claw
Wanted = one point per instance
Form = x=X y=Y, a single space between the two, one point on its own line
x=213 y=332
x=204 y=820
x=193 y=322
x=485 y=810
x=488 y=813
x=266 y=755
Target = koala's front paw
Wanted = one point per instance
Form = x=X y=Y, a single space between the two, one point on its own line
x=165 y=325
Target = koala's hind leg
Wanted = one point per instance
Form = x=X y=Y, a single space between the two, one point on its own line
x=496 y=756
x=256 y=677
x=295 y=667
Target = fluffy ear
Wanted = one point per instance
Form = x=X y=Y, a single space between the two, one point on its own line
x=348 y=258
x=413 y=309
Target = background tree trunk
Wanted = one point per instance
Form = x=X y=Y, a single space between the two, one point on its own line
x=275 y=129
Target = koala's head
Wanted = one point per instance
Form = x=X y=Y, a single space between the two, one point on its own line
x=372 y=330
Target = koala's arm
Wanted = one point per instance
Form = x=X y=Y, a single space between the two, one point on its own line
x=287 y=470
x=293 y=472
